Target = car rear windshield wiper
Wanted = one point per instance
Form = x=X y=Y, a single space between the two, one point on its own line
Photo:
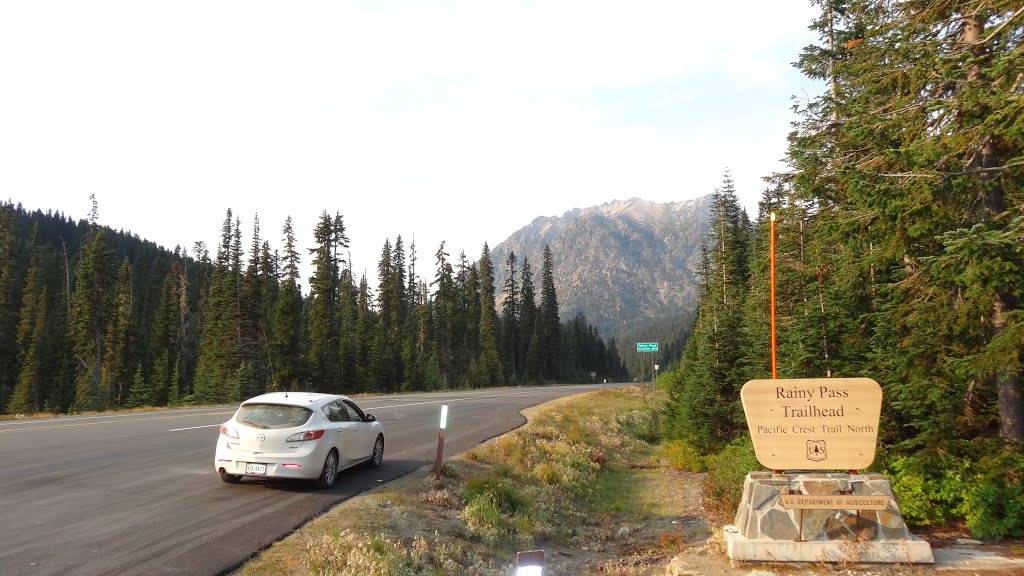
x=255 y=424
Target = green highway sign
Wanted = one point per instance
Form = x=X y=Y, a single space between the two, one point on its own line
x=646 y=346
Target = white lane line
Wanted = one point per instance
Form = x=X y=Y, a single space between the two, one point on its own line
x=62 y=419
x=194 y=427
x=81 y=424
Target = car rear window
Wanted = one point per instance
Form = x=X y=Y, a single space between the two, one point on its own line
x=267 y=416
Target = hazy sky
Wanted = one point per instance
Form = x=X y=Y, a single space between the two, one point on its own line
x=437 y=121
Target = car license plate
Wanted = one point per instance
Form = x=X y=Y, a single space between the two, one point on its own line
x=256 y=469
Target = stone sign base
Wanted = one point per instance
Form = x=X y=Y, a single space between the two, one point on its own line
x=766 y=531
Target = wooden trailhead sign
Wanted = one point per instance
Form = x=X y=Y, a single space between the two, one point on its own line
x=813 y=423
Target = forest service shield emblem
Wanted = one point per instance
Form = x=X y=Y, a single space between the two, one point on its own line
x=816 y=450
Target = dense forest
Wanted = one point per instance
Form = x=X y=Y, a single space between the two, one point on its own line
x=900 y=255
x=93 y=319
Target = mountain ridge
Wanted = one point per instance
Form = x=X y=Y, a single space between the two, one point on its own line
x=623 y=264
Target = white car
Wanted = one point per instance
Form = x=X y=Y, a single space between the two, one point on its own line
x=297 y=435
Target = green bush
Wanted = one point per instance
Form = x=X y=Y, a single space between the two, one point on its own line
x=985 y=488
x=643 y=424
x=682 y=456
x=930 y=485
x=496 y=513
x=994 y=506
x=506 y=497
x=726 y=472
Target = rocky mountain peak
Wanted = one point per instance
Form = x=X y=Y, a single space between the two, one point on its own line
x=623 y=264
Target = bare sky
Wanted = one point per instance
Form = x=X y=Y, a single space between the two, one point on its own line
x=437 y=121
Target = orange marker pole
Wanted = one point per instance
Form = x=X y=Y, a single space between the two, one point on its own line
x=771 y=267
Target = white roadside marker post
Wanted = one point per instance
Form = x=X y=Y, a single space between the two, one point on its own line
x=530 y=563
x=440 y=442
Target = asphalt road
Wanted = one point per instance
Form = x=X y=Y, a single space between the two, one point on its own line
x=136 y=493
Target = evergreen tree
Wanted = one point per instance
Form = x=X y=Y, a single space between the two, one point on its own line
x=548 y=327
x=444 y=316
x=386 y=363
x=193 y=291
x=91 y=310
x=117 y=344
x=142 y=392
x=286 y=340
x=466 y=320
x=61 y=365
x=8 y=307
x=510 y=310
x=415 y=328
x=530 y=360
x=365 y=325
x=348 y=354
x=220 y=351
x=489 y=362
x=704 y=406
x=30 y=336
x=323 y=309
x=165 y=335
x=27 y=392
x=254 y=316
x=911 y=160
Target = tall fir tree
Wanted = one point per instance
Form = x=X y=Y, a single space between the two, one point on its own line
x=444 y=316
x=165 y=336
x=253 y=319
x=91 y=309
x=510 y=342
x=30 y=335
x=119 y=339
x=530 y=361
x=704 y=406
x=323 y=307
x=286 y=341
x=548 y=327
x=489 y=362
x=220 y=352
x=8 y=305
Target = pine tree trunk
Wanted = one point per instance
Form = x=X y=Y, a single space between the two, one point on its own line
x=992 y=202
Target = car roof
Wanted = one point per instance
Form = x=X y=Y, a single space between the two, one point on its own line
x=304 y=399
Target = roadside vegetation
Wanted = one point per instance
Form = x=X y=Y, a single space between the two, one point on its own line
x=584 y=480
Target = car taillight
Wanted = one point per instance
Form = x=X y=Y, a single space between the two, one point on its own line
x=307 y=435
x=228 y=431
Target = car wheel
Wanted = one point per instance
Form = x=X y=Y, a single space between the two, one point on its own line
x=330 y=472
x=378 y=452
x=229 y=478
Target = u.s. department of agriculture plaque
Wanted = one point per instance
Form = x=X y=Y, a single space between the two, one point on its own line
x=813 y=423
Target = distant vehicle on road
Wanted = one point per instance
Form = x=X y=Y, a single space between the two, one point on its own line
x=297 y=435
x=636 y=380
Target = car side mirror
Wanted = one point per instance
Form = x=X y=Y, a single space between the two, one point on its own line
x=370 y=417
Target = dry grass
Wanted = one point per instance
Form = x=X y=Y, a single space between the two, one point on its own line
x=571 y=482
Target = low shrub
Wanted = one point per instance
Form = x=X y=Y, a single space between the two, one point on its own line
x=350 y=553
x=930 y=485
x=727 y=469
x=985 y=488
x=497 y=524
x=994 y=505
x=682 y=456
x=506 y=497
x=642 y=424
